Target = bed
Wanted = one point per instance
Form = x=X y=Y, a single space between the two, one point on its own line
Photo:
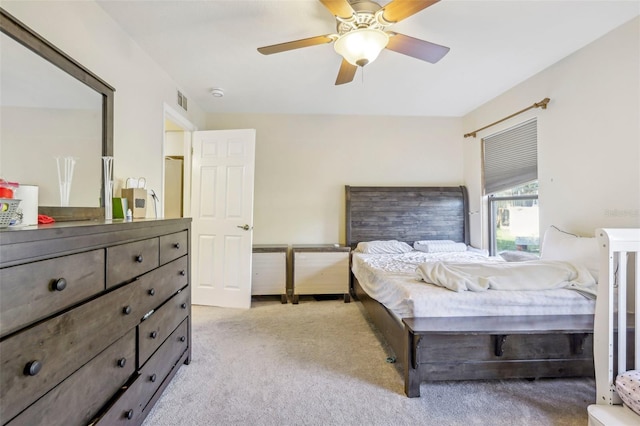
x=469 y=343
x=617 y=356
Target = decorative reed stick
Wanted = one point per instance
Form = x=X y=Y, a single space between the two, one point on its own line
x=107 y=168
x=65 y=177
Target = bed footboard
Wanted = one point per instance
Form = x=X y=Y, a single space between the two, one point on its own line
x=498 y=347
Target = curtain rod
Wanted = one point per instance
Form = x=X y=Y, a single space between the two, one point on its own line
x=542 y=104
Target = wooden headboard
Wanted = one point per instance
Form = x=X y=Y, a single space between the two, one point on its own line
x=406 y=213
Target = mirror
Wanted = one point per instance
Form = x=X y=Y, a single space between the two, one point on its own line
x=46 y=113
x=52 y=107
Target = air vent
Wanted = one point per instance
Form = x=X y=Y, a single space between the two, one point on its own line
x=182 y=100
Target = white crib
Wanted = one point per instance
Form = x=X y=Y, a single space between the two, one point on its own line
x=618 y=280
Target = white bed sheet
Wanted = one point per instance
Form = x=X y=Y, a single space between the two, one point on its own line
x=391 y=280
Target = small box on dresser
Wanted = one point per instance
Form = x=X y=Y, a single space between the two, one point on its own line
x=269 y=270
x=94 y=320
x=320 y=269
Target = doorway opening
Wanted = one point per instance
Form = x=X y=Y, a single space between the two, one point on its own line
x=176 y=168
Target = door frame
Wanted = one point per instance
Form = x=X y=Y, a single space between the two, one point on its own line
x=175 y=117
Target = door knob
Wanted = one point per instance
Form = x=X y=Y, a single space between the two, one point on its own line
x=245 y=227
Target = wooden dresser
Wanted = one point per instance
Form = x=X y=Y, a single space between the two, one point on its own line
x=94 y=320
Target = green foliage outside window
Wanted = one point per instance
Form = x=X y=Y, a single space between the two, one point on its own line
x=515 y=219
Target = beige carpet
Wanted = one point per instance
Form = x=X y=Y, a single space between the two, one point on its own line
x=320 y=363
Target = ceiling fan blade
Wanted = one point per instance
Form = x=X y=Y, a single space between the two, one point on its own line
x=346 y=73
x=296 y=44
x=341 y=8
x=397 y=10
x=419 y=49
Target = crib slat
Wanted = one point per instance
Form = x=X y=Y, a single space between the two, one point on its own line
x=621 y=267
x=636 y=306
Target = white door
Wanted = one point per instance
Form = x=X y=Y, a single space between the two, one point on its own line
x=222 y=211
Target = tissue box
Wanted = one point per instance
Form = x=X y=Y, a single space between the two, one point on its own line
x=136 y=201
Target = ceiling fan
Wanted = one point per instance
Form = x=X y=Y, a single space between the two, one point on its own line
x=362 y=34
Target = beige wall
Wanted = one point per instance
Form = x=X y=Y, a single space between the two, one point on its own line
x=304 y=161
x=86 y=33
x=588 y=138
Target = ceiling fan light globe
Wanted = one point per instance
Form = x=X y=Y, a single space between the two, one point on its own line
x=361 y=46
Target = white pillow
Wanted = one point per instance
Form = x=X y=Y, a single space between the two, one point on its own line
x=560 y=245
x=440 y=247
x=427 y=242
x=383 y=247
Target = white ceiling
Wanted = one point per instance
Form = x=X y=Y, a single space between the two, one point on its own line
x=494 y=46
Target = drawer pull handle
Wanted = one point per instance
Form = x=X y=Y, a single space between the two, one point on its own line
x=139 y=258
x=183 y=306
x=153 y=334
x=59 y=284
x=126 y=310
x=183 y=272
x=32 y=368
x=128 y=415
x=122 y=362
x=176 y=246
x=182 y=338
x=153 y=378
x=152 y=292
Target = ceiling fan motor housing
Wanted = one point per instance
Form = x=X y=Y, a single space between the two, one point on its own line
x=364 y=6
x=365 y=16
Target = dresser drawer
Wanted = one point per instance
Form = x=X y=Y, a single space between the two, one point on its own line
x=34 y=291
x=156 y=328
x=173 y=246
x=127 y=261
x=158 y=285
x=163 y=361
x=85 y=392
x=121 y=411
x=35 y=360
x=128 y=408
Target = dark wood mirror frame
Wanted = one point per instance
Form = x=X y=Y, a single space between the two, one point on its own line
x=40 y=46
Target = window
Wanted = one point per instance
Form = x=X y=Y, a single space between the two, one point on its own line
x=510 y=166
x=513 y=219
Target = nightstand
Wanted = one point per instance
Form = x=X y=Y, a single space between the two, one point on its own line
x=269 y=270
x=320 y=269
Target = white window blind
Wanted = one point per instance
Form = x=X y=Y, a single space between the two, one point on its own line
x=510 y=158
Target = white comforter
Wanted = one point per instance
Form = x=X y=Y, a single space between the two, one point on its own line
x=391 y=279
x=530 y=275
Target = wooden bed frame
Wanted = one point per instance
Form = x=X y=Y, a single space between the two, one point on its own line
x=458 y=348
